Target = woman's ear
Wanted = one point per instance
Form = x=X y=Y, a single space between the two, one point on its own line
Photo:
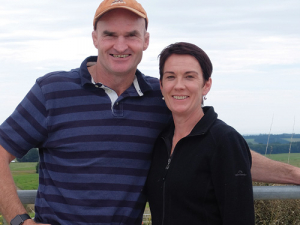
x=161 y=88
x=207 y=87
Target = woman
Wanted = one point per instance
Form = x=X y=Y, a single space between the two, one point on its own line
x=200 y=172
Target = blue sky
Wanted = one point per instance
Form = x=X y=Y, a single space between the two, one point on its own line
x=254 y=47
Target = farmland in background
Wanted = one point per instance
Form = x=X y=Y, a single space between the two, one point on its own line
x=266 y=211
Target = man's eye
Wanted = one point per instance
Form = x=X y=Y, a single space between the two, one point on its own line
x=108 y=34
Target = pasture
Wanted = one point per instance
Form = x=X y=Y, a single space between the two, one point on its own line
x=24 y=175
x=26 y=178
x=294 y=158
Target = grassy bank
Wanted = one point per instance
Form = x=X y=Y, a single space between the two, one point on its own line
x=25 y=175
x=273 y=212
x=294 y=158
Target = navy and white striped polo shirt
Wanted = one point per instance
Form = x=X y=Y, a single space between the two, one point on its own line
x=94 y=155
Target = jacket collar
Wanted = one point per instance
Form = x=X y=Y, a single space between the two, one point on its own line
x=202 y=127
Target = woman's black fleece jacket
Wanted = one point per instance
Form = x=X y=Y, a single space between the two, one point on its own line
x=207 y=179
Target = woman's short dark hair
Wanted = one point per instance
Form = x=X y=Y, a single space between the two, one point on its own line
x=184 y=48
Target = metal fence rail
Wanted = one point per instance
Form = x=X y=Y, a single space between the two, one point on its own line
x=276 y=192
x=260 y=193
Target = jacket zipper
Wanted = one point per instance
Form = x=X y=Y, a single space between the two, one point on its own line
x=164 y=177
x=164 y=184
x=164 y=189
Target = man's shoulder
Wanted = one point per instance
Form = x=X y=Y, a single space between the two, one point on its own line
x=71 y=76
x=153 y=82
x=151 y=79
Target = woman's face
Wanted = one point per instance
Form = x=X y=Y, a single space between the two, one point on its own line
x=183 y=85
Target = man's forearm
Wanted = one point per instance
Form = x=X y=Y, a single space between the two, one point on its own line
x=271 y=171
x=10 y=204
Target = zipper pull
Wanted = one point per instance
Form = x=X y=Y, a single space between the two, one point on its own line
x=168 y=165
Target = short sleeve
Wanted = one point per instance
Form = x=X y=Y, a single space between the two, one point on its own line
x=26 y=128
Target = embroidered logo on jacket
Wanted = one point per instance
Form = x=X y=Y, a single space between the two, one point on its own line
x=240 y=173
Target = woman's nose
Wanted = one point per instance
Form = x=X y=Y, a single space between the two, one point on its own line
x=179 y=84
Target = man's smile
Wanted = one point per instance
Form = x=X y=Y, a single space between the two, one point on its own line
x=119 y=56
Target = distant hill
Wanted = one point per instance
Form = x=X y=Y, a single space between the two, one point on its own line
x=274 y=138
x=278 y=143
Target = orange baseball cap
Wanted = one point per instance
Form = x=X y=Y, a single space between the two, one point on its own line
x=131 y=5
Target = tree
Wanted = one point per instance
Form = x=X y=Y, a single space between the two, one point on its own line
x=31 y=156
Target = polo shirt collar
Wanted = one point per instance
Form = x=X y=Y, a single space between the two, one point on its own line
x=140 y=83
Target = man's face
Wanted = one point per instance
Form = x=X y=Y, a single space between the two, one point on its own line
x=120 y=38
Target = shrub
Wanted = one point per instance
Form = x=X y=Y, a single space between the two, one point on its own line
x=273 y=212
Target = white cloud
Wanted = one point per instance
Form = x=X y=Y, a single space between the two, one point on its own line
x=254 y=47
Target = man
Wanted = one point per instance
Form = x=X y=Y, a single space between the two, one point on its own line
x=95 y=127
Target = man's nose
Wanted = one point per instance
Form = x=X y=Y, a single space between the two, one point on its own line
x=121 y=44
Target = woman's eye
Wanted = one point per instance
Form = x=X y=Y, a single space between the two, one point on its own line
x=170 y=77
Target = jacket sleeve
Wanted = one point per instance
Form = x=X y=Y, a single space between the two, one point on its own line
x=230 y=166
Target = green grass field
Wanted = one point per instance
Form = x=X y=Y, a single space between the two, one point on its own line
x=251 y=140
x=294 y=158
x=19 y=167
x=26 y=178
x=25 y=175
x=293 y=140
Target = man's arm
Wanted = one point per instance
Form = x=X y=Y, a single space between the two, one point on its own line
x=271 y=171
x=10 y=204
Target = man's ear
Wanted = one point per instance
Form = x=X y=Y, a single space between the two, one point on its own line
x=95 y=38
x=146 y=41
